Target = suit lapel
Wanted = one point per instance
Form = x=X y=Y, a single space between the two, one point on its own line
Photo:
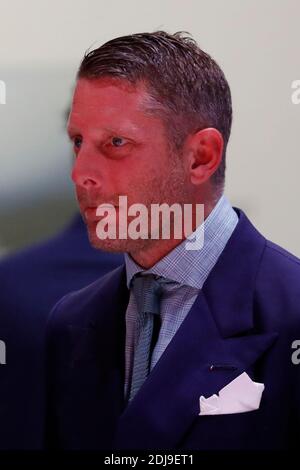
x=218 y=330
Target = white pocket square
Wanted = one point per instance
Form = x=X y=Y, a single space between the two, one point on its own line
x=240 y=395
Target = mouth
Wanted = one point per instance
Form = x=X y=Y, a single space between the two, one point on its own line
x=90 y=212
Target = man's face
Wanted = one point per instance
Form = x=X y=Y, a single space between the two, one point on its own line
x=120 y=151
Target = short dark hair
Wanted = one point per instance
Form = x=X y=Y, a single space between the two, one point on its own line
x=186 y=86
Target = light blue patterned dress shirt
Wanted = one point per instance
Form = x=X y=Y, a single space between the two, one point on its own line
x=188 y=270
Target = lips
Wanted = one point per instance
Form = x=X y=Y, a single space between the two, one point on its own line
x=90 y=212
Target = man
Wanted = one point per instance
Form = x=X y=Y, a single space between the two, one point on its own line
x=32 y=281
x=180 y=348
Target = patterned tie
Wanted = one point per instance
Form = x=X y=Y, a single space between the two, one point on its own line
x=147 y=291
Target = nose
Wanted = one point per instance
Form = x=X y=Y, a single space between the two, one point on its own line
x=84 y=174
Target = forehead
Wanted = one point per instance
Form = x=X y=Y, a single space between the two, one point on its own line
x=107 y=100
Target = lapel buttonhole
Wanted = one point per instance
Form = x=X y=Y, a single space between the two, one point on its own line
x=216 y=367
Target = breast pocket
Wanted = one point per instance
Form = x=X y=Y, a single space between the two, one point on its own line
x=238 y=431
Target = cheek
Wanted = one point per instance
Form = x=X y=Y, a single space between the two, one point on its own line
x=128 y=173
x=143 y=171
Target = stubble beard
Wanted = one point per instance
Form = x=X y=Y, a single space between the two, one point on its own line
x=157 y=191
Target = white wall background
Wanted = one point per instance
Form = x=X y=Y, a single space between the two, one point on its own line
x=256 y=42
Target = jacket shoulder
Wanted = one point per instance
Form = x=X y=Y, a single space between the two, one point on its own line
x=278 y=287
x=281 y=265
x=78 y=306
x=282 y=255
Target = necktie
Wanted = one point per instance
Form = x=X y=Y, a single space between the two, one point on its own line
x=147 y=291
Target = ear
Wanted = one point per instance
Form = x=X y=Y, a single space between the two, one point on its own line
x=204 y=150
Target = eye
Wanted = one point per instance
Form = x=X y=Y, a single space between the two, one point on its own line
x=117 y=141
x=77 y=141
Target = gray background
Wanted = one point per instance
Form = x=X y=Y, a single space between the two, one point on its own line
x=257 y=43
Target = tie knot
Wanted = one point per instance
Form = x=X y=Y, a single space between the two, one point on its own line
x=147 y=290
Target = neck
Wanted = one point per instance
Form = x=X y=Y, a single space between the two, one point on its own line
x=158 y=249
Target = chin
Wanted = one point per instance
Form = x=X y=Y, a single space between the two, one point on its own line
x=112 y=245
x=116 y=245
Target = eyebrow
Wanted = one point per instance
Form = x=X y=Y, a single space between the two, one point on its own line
x=72 y=130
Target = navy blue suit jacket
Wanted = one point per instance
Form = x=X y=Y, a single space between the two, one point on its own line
x=31 y=282
x=244 y=320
